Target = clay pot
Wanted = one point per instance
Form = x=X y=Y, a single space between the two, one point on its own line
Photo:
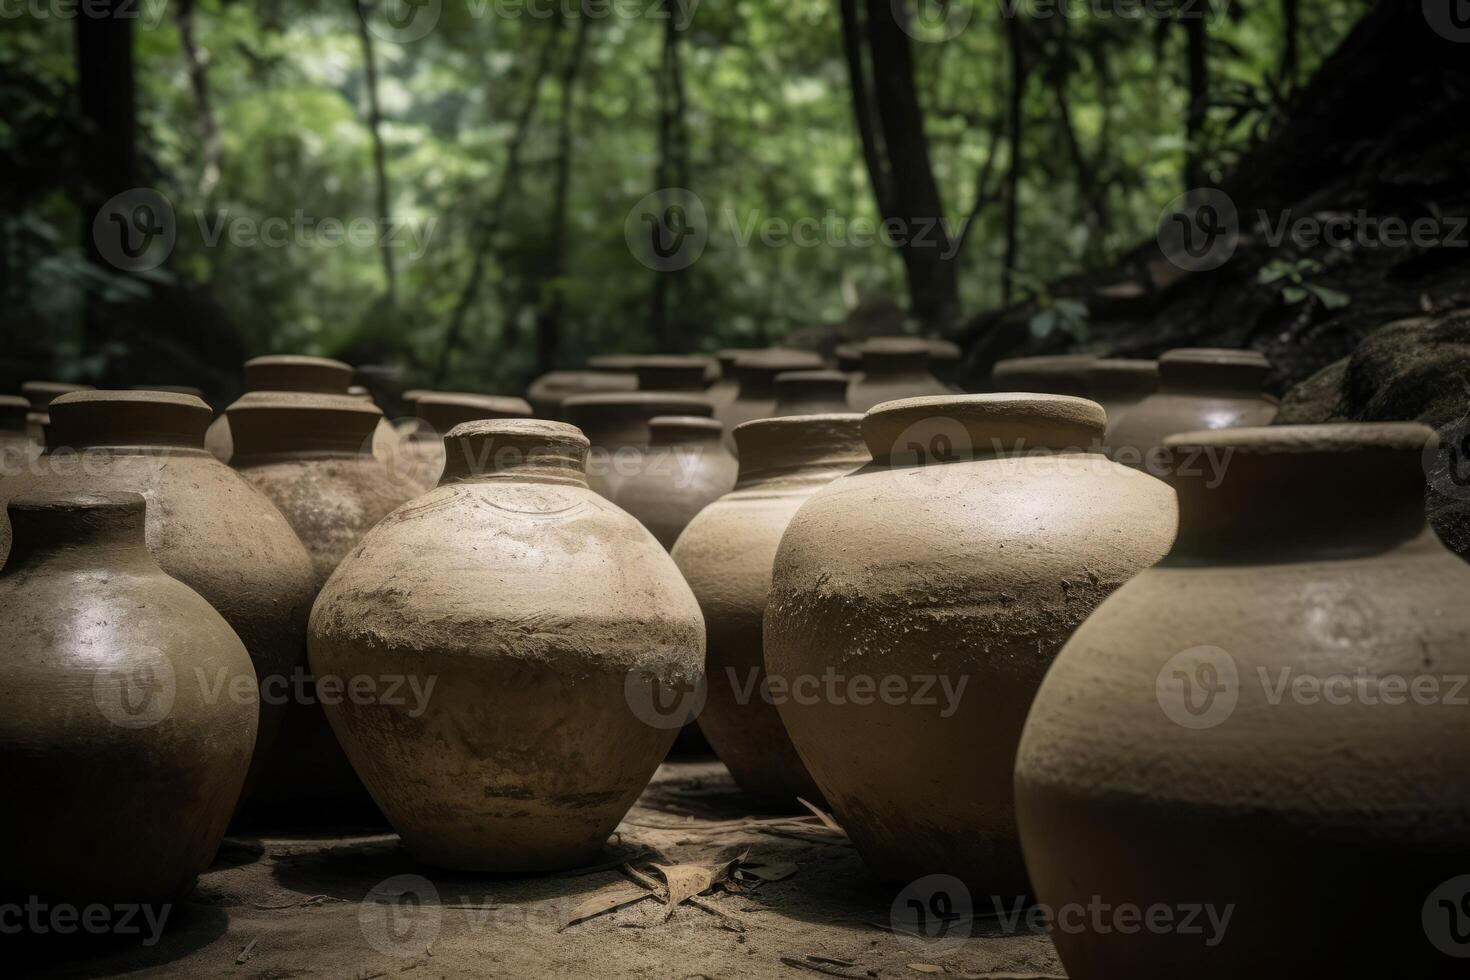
x=686 y=467
x=207 y=526
x=756 y=376
x=849 y=357
x=547 y=392
x=297 y=372
x=1199 y=388
x=421 y=453
x=944 y=356
x=726 y=388
x=310 y=454
x=121 y=768
x=725 y=555
x=17 y=448
x=39 y=395
x=892 y=368
x=919 y=600
x=1267 y=721
x=617 y=425
x=1118 y=383
x=527 y=602
x=811 y=393
x=670 y=372
x=1052 y=374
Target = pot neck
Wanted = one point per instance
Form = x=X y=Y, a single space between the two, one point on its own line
x=799 y=449
x=950 y=428
x=13 y=412
x=77 y=530
x=273 y=424
x=85 y=419
x=1112 y=379
x=1286 y=492
x=1234 y=372
x=443 y=410
x=670 y=373
x=614 y=421
x=685 y=430
x=756 y=373
x=292 y=372
x=515 y=451
x=796 y=390
x=894 y=363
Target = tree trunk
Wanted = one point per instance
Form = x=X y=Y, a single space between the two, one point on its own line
x=1291 y=27
x=671 y=171
x=209 y=137
x=1199 y=97
x=1020 y=70
x=380 y=155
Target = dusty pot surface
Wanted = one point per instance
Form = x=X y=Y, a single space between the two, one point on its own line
x=39 y=395
x=755 y=375
x=1270 y=721
x=1199 y=388
x=1052 y=374
x=893 y=368
x=670 y=372
x=421 y=452
x=726 y=555
x=917 y=602
x=1119 y=383
x=311 y=455
x=548 y=391
x=207 y=526
x=121 y=769
x=617 y=426
x=523 y=607
x=811 y=393
x=686 y=466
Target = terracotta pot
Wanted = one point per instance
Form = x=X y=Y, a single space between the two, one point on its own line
x=547 y=392
x=1199 y=388
x=1052 y=374
x=892 y=368
x=726 y=388
x=725 y=555
x=1267 y=721
x=311 y=455
x=918 y=605
x=670 y=372
x=528 y=602
x=207 y=526
x=811 y=393
x=617 y=425
x=944 y=356
x=120 y=768
x=756 y=376
x=686 y=466
x=39 y=395
x=1119 y=383
x=421 y=452
x=849 y=357
x=17 y=448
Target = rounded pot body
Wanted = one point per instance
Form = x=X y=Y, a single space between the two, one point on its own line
x=726 y=555
x=686 y=468
x=1268 y=724
x=206 y=526
x=915 y=607
x=1118 y=384
x=618 y=426
x=1199 y=388
x=521 y=609
x=128 y=714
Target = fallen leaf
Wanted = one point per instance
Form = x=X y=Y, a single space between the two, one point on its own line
x=601 y=902
x=778 y=871
x=247 y=952
x=827 y=821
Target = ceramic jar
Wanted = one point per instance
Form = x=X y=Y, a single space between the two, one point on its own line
x=756 y=376
x=1199 y=388
x=548 y=391
x=523 y=603
x=726 y=555
x=1268 y=722
x=670 y=372
x=810 y=393
x=918 y=601
x=944 y=356
x=311 y=455
x=617 y=425
x=122 y=768
x=686 y=466
x=1052 y=374
x=726 y=387
x=17 y=448
x=891 y=368
x=207 y=527
x=39 y=395
x=421 y=453
x=1119 y=383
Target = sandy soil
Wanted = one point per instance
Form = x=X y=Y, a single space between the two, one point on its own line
x=357 y=906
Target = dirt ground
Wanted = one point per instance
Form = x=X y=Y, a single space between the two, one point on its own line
x=357 y=906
